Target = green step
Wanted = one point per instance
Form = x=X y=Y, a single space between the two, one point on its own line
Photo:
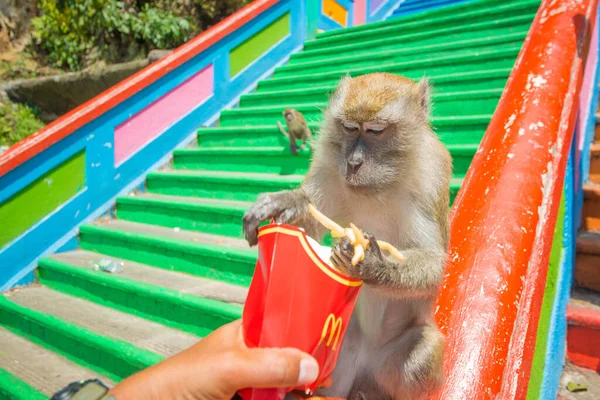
x=435 y=65
x=424 y=41
x=403 y=54
x=277 y=160
x=13 y=388
x=221 y=186
x=169 y=307
x=479 y=102
x=466 y=130
x=115 y=359
x=214 y=218
x=205 y=260
x=191 y=215
x=478 y=6
x=403 y=26
x=478 y=80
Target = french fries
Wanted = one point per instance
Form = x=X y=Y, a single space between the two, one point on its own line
x=355 y=236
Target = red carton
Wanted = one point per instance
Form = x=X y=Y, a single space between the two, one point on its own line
x=296 y=300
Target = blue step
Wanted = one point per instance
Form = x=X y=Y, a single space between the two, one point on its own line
x=415 y=6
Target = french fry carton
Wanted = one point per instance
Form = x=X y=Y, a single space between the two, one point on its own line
x=296 y=300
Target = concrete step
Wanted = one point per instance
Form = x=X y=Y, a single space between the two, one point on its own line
x=39 y=367
x=195 y=253
x=583 y=329
x=587 y=261
x=105 y=321
x=576 y=375
x=591 y=208
x=181 y=282
x=159 y=303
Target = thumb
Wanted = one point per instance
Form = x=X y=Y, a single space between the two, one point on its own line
x=276 y=368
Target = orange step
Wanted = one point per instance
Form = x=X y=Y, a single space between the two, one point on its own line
x=587 y=261
x=591 y=208
x=595 y=163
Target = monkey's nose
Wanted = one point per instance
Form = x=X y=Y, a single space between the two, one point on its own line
x=353 y=166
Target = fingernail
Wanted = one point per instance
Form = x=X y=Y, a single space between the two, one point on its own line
x=309 y=371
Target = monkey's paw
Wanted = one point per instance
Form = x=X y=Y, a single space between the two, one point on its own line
x=366 y=270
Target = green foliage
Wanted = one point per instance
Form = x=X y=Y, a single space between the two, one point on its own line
x=16 y=70
x=76 y=33
x=17 y=121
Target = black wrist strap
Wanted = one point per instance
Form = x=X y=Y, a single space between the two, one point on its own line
x=91 y=389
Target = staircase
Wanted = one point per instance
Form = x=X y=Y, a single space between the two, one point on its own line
x=414 y=6
x=184 y=265
x=583 y=313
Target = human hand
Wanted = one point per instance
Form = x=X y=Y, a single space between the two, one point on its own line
x=217 y=367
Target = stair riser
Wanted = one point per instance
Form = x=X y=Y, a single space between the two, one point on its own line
x=420 y=42
x=109 y=357
x=594 y=176
x=214 y=263
x=404 y=26
x=272 y=99
x=161 y=305
x=596 y=132
x=416 y=72
x=491 y=6
x=199 y=219
x=223 y=190
x=283 y=164
x=460 y=133
x=415 y=44
x=587 y=271
x=583 y=337
x=371 y=59
x=591 y=214
x=446 y=107
x=407 y=60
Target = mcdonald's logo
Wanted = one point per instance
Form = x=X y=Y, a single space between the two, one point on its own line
x=336 y=330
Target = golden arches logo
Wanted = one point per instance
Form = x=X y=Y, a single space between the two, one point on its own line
x=336 y=326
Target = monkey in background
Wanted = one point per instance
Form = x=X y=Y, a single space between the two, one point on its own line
x=379 y=164
x=297 y=129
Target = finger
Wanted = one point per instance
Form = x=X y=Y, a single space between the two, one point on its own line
x=275 y=368
x=327 y=382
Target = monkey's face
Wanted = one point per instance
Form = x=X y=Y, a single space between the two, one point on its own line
x=289 y=115
x=374 y=122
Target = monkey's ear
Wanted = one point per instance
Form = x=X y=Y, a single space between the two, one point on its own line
x=425 y=95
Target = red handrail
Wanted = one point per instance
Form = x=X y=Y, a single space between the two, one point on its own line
x=75 y=119
x=504 y=215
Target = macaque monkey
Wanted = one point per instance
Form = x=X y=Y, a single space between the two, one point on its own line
x=297 y=129
x=379 y=165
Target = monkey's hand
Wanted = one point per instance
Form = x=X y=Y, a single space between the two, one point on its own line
x=285 y=207
x=366 y=270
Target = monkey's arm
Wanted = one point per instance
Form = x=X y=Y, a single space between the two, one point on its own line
x=287 y=207
x=418 y=275
x=283 y=132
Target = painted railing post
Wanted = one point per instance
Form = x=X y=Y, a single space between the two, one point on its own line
x=360 y=12
x=504 y=217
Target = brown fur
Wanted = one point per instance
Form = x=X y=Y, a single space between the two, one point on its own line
x=297 y=129
x=378 y=164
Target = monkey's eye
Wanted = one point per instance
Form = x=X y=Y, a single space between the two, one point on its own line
x=375 y=129
x=350 y=127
